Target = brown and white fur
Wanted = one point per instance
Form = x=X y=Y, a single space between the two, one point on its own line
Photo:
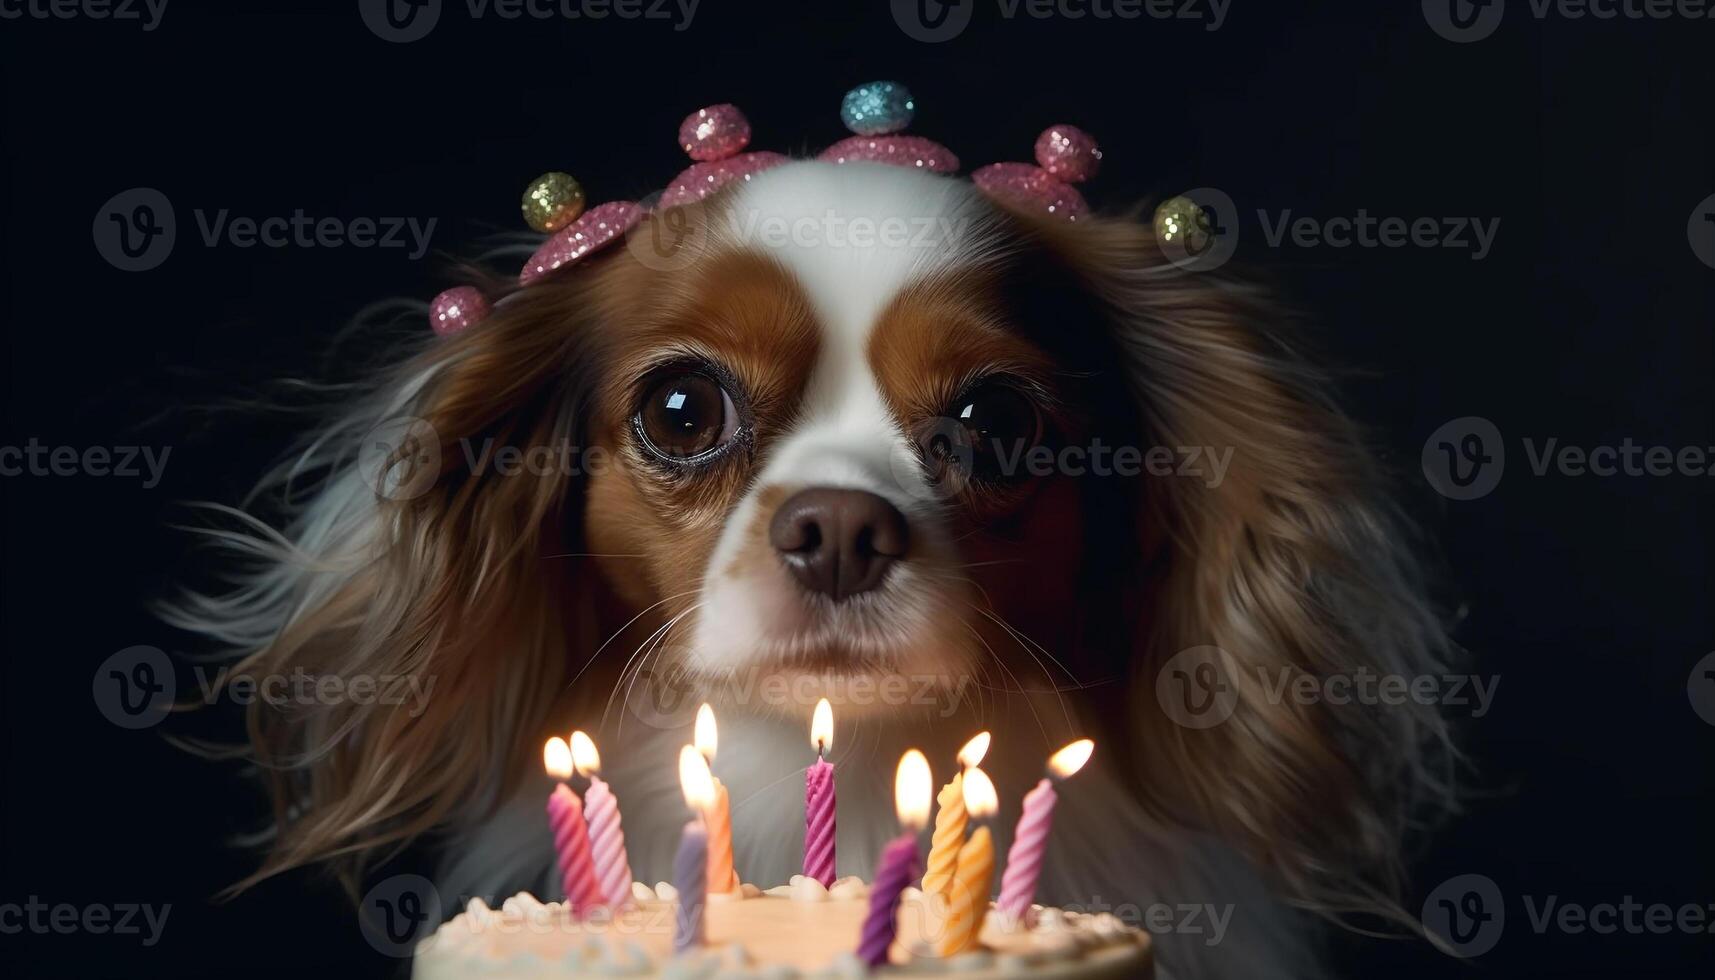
x=614 y=600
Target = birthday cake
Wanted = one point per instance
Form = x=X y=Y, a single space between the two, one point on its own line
x=798 y=931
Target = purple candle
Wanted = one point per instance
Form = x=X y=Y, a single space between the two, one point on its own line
x=819 y=800
x=691 y=863
x=898 y=865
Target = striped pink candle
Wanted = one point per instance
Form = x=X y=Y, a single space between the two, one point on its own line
x=572 y=844
x=819 y=822
x=819 y=799
x=607 y=839
x=607 y=844
x=1024 y=860
x=1030 y=839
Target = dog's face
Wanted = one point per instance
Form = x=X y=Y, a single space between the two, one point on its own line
x=831 y=415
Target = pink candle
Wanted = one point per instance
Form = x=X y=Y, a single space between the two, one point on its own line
x=571 y=836
x=607 y=838
x=1030 y=839
x=899 y=861
x=819 y=800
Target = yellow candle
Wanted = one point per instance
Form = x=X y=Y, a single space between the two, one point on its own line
x=950 y=821
x=967 y=900
x=949 y=836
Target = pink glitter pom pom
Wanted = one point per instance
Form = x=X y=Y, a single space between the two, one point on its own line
x=456 y=309
x=714 y=133
x=699 y=180
x=901 y=151
x=1068 y=153
x=595 y=228
x=1030 y=188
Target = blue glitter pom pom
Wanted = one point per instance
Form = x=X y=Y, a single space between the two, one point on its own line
x=876 y=108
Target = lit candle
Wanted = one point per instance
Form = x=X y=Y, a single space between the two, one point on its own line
x=607 y=838
x=950 y=820
x=691 y=863
x=722 y=877
x=898 y=864
x=968 y=899
x=819 y=799
x=1030 y=840
x=571 y=837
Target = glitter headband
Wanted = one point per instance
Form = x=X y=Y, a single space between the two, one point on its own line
x=877 y=114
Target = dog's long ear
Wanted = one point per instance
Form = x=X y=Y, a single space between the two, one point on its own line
x=1290 y=563
x=420 y=570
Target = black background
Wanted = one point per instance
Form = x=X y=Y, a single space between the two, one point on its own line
x=1589 y=321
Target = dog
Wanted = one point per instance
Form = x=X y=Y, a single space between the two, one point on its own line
x=807 y=462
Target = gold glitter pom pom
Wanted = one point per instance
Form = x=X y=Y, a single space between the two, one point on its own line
x=553 y=201
x=1182 y=225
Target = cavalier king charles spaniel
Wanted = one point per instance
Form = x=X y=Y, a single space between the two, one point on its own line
x=990 y=470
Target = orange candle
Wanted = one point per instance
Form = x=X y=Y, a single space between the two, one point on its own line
x=718 y=814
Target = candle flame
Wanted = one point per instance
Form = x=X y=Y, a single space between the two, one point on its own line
x=911 y=788
x=705 y=737
x=974 y=750
x=557 y=758
x=981 y=800
x=822 y=727
x=1070 y=759
x=584 y=756
x=694 y=779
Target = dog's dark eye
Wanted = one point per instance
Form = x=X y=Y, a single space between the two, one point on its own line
x=686 y=416
x=986 y=434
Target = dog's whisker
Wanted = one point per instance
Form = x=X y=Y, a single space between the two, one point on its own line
x=1028 y=702
x=617 y=633
x=641 y=647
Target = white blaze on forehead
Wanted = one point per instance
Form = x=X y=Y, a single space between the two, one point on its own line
x=853 y=236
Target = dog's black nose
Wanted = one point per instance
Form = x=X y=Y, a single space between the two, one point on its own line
x=838 y=542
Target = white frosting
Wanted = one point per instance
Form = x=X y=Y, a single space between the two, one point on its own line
x=753 y=938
